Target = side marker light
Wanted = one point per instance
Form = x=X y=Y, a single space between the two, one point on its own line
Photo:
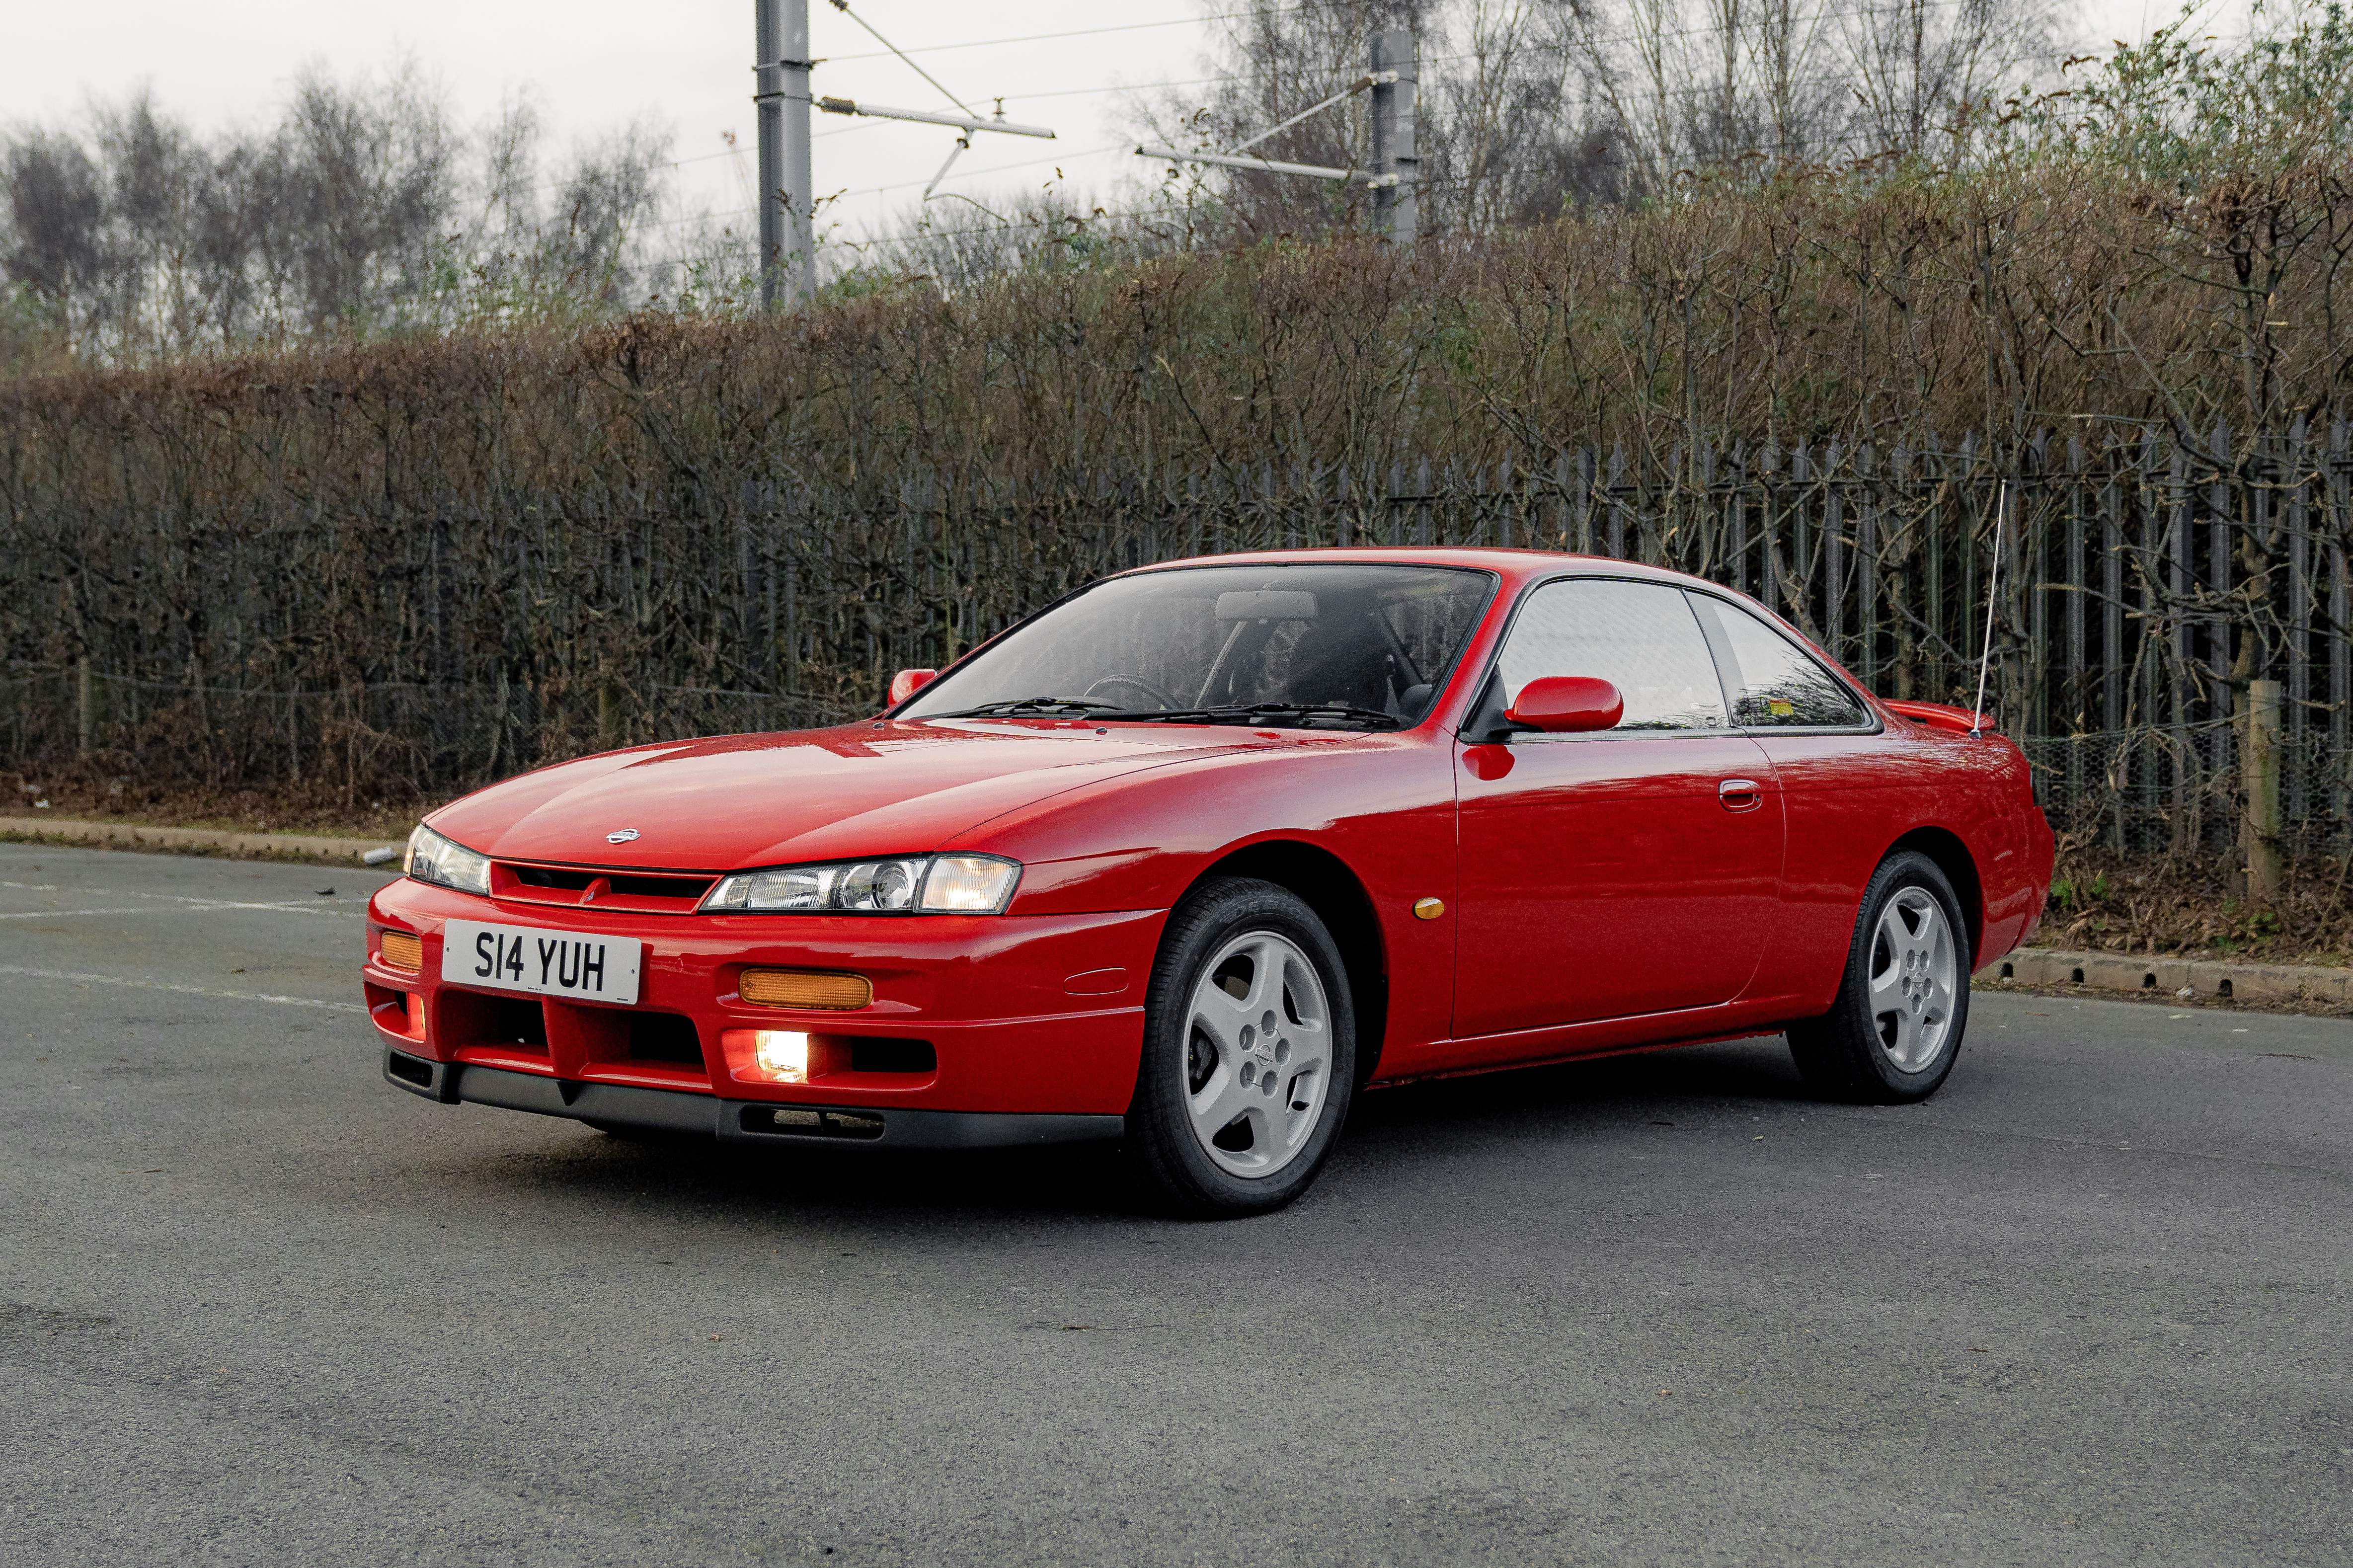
x=805 y=988
x=1428 y=909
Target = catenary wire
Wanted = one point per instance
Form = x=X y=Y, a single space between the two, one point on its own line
x=1072 y=33
x=1685 y=94
x=1212 y=80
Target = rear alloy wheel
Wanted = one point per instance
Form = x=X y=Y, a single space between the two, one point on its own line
x=1249 y=1053
x=1894 y=1033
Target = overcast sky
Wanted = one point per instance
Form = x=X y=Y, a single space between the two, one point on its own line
x=592 y=65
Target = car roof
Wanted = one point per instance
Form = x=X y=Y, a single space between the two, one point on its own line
x=1516 y=566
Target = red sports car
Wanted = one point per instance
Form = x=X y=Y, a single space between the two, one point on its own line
x=1188 y=858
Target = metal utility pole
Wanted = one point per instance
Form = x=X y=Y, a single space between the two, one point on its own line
x=788 y=226
x=788 y=238
x=1396 y=171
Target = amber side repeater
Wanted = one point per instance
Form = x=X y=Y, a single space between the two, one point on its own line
x=805 y=988
x=1428 y=909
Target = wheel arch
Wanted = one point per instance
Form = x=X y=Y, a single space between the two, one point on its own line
x=1329 y=886
x=1952 y=856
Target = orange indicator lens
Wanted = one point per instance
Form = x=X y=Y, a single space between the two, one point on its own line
x=805 y=988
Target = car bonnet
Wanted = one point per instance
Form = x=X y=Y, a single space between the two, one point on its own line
x=764 y=800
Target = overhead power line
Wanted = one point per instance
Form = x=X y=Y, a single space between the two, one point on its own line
x=1565 y=52
x=1684 y=93
x=998 y=168
x=891 y=49
x=1071 y=33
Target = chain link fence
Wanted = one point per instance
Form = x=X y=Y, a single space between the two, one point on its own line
x=2171 y=790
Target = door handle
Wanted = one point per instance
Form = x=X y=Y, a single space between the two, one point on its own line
x=1740 y=794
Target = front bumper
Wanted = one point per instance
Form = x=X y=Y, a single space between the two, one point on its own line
x=1011 y=1016
x=742 y=1120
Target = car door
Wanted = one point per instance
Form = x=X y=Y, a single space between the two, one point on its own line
x=1844 y=781
x=1618 y=872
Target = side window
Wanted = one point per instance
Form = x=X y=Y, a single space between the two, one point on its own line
x=1640 y=636
x=1780 y=683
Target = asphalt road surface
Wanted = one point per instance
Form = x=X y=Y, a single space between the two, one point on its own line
x=2090 y=1305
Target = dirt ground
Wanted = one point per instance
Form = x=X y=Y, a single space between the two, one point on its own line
x=94 y=796
x=2182 y=906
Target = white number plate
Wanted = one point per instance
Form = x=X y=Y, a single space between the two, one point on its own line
x=549 y=962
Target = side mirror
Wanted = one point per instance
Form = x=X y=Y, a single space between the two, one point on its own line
x=1567 y=703
x=907 y=682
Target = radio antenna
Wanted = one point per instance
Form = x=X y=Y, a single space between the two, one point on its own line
x=1993 y=585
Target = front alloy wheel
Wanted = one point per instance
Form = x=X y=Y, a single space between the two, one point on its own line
x=1258 y=1054
x=1249 y=1053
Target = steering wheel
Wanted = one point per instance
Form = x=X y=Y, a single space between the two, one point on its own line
x=1140 y=684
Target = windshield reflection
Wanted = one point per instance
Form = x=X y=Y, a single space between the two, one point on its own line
x=1354 y=644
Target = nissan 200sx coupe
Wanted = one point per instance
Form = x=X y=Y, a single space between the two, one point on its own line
x=1193 y=856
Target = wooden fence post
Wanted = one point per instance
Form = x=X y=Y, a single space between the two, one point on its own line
x=2259 y=834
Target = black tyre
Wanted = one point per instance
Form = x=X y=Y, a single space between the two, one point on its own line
x=1894 y=1033
x=1249 y=1054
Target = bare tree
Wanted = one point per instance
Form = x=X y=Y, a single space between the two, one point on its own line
x=1531 y=107
x=1917 y=66
x=57 y=211
x=363 y=208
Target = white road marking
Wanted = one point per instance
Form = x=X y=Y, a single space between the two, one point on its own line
x=47 y=914
x=280 y=906
x=195 y=904
x=185 y=990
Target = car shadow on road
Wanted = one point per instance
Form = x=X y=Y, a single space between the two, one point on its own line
x=1424 y=1123
x=1597 y=1095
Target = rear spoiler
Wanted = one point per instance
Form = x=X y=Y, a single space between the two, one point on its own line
x=1943 y=716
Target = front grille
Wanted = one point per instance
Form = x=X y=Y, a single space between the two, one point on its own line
x=550 y=877
x=505 y=1023
x=691 y=888
x=881 y=1054
x=664 y=1038
x=575 y=887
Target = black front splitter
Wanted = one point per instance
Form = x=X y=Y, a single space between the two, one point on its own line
x=741 y=1120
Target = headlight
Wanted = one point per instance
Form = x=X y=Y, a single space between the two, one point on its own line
x=433 y=859
x=970 y=884
x=903 y=885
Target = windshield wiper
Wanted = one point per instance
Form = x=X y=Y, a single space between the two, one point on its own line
x=1244 y=713
x=1028 y=705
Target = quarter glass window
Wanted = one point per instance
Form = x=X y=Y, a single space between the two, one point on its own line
x=1781 y=685
x=1639 y=636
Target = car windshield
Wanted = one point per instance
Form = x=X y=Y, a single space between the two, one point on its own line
x=1340 y=645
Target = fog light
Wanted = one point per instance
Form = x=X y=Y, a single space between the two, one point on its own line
x=783 y=1054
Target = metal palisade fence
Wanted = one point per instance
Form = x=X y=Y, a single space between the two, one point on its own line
x=2147 y=575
